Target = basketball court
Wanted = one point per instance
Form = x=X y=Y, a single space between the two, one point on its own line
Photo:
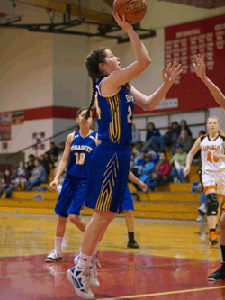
x=173 y=261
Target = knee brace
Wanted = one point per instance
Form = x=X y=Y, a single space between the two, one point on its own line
x=213 y=204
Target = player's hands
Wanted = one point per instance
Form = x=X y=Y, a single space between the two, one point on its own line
x=142 y=186
x=122 y=22
x=54 y=184
x=199 y=66
x=216 y=154
x=186 y=171
x=171 y=72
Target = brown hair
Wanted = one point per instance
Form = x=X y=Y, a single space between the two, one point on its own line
x=92 y=64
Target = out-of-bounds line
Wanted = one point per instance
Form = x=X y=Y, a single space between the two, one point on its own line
x=164 y=293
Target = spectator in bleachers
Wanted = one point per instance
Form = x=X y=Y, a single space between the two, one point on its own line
x=151 y=132
x=62 y=146
x=172 y=135
x=44 y=162
x=146 y=171
x=135 y=135
x=184 y=126
x=30 y=164
x=52 y=161
x=20 y=177
x=7 y=183
x=178 y=161
x=53 y=149
x=38 y=175
x=186 y=140
x=161 y=173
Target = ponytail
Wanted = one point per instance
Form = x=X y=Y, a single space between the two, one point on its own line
x=88 y=112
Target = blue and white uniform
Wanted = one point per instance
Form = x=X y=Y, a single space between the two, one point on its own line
x=110 y=162
x=72 y=195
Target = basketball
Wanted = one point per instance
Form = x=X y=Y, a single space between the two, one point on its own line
x=134 y=10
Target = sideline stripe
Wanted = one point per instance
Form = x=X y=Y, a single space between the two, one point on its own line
x=165 y=293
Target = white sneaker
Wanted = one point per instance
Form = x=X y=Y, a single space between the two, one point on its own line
x=202 y=209
x=94 y=263
x=54 y=255
x=80 y=279
x=200 y=219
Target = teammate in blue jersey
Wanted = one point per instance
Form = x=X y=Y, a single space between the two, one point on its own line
x=110 y=163
x=79 y=149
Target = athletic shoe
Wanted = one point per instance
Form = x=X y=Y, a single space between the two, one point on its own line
x=54 y=255
x=133 y=244
x=212 y=238
x=80 y=279
x=200 y=219
x=218 y=274
x=202 y=209
x=94 y=263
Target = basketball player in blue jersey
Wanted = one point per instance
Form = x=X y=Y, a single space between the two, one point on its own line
x=79 y=149
x=110 y=162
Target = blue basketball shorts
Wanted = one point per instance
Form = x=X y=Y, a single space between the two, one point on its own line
x=72 y=196
x=127 y=203
x=107 y=179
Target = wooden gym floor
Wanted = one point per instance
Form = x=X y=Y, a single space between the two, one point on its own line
x=173 y=261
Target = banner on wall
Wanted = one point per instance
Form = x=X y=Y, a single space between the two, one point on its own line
x=38 y=137
x=5 y=126
x=5 y=132
x=182 y=42
x=17 y=117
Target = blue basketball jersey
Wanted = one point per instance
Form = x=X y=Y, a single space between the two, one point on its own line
x=80 y=154
x=115 y=115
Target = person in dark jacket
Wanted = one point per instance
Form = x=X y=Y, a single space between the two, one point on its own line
x=38 y=175
x=151 y=132
x=7 y=184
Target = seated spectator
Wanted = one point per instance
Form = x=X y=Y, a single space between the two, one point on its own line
x=38 y=175
x=161 y=173
x=53 y=149
x=172 y=135
x=135 y=135
x=151 y=131
x=146 y=171
x=44 y=162
x=62 y=146
x=178 y=161
x=52 y=161
x=30 y=164
x=20 y=177
x=184 y=126
x=7 y=184
x=186 y=140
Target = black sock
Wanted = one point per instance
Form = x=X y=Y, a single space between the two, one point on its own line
x=223 y=252
x=212 y=230
x=131 y=235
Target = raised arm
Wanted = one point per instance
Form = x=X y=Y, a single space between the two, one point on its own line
x=150 y=102
x=190 y=156
x=199 y=68
x=124 y=75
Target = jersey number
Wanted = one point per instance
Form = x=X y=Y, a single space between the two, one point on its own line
x=80 y=158
x=129 y=115
x=209 y=157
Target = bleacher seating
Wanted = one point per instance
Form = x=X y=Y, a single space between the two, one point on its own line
x=173 y=201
